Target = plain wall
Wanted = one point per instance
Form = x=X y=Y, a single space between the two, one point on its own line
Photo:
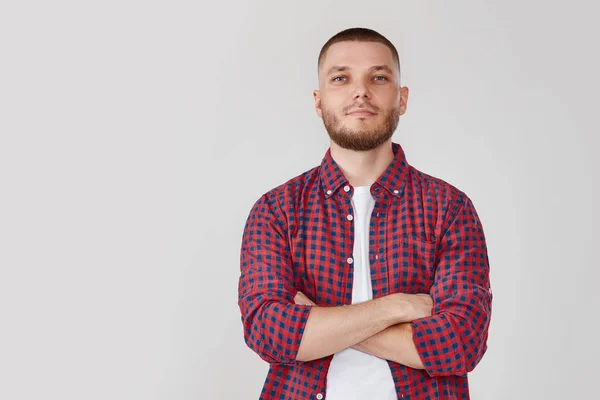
x=135 y=136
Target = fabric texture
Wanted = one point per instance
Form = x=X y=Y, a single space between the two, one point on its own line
x=352 y=374
x=424 y=237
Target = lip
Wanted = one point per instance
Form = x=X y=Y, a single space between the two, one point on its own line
x=361 y=113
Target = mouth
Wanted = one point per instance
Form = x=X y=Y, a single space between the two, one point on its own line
x=361 y=114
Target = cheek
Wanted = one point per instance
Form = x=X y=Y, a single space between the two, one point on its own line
x=395 y=99
x=327 y=107
x=334 y=100
x=387 y=97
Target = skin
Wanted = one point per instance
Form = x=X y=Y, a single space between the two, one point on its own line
x=361 y=145
x=364 y=86
x=329 y=330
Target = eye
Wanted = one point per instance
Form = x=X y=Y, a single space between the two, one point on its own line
x=384 y=78
x=335 y=78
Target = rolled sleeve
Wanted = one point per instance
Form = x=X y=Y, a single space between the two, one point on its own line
x=273 y=324
x=453 y=339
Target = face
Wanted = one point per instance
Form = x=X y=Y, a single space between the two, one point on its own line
x=359 y=96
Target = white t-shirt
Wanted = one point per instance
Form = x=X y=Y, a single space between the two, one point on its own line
x=353 y=374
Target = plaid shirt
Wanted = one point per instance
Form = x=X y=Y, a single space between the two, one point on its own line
x=425 y=237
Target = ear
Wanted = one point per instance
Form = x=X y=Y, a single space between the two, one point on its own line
x=317 y=97
x=403 y=99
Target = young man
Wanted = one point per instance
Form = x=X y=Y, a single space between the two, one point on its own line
x=364 y=278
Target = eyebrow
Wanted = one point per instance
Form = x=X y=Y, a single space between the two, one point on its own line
x=341 y=68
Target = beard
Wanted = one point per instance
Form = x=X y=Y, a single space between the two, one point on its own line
x=360 y=139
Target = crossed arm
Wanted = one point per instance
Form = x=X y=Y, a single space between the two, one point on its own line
x=388 y=317
x=448 y=339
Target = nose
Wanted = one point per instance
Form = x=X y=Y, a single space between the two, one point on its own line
x=361 y=91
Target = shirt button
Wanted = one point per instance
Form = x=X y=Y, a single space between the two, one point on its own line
x=396 y=191
x=350 y=260
x=346 y=188
x=329 y=192
x=377 y=256
x=319 y=396
x=350 y=217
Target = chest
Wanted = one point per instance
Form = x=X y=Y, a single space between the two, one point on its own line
x=399 y=242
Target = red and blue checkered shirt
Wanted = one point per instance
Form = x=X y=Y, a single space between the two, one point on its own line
x=424 y=237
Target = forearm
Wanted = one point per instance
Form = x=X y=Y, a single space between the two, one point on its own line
x=394 y=343
x=332 y=329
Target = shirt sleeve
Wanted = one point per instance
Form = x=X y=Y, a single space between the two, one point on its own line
x=453 y=339
x=273 y=324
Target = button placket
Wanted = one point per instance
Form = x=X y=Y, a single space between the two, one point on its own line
x=347 y=200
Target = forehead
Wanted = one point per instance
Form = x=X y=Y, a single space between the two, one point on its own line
x=358 y=55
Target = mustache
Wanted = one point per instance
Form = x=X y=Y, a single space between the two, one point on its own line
x=365 y=106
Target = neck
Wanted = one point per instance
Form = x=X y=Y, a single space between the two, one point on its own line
x=362 y=168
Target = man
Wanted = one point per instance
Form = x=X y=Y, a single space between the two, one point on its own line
x=364 y=278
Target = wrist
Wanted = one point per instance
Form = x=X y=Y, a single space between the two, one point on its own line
x=394 y=309
x=400 y=308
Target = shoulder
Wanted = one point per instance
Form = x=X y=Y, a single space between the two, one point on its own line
x=285 y=195
x=438 y=193
x=435 y=185
x=295 y=186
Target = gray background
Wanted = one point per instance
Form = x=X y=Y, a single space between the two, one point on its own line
x=135 y=137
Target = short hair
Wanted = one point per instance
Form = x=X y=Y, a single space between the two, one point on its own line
x=358 y=35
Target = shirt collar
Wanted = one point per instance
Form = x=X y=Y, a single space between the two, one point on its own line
x=392 y=179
